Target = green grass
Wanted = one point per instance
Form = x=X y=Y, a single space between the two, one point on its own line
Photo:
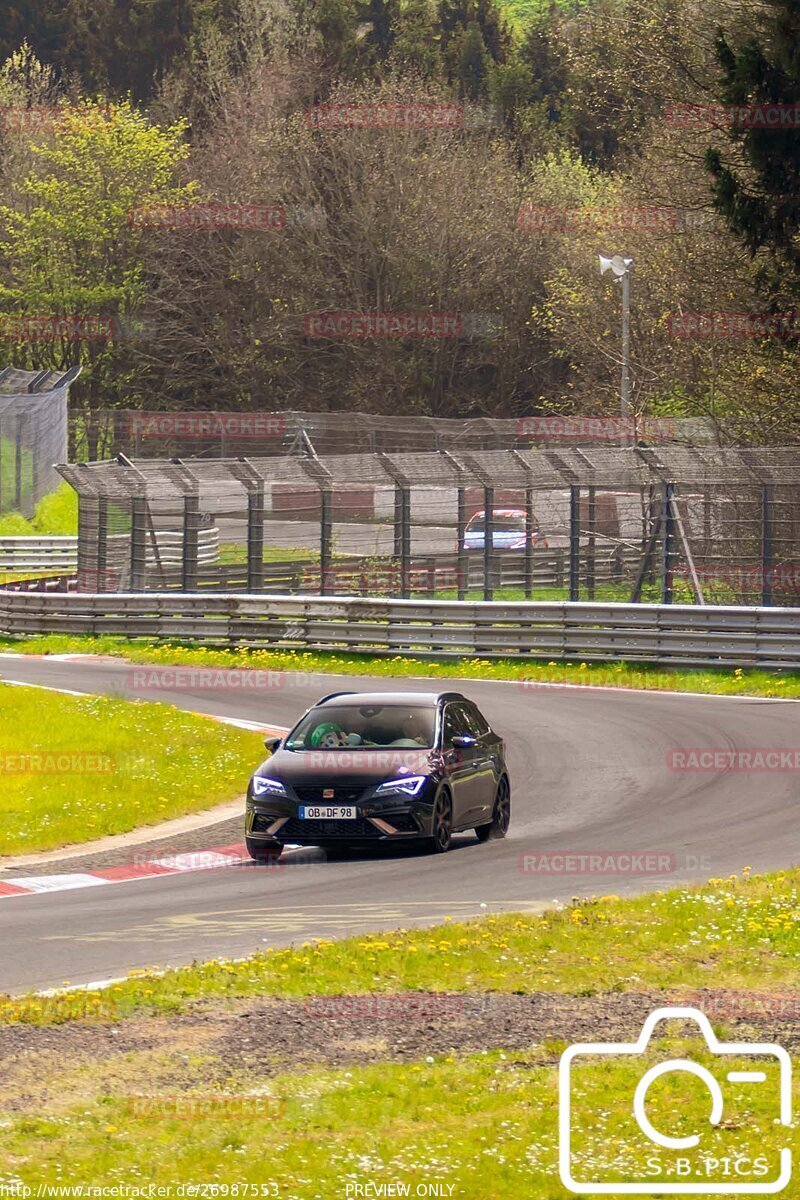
x=126 y=764
x=737 y=933
x=56 y=515
x=736 y=682
x=480 y=1126
x=57 y=512
x=235 y=553
x=8 y=473
x=520 y=13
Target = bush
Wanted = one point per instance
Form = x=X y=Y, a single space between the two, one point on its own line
x=57 y=512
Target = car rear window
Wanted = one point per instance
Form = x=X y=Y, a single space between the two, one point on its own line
x=503 y=523
x=364 y=727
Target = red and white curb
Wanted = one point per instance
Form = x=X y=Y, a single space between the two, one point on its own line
x=170 y=864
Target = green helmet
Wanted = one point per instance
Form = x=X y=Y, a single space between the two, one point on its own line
x=324 y=730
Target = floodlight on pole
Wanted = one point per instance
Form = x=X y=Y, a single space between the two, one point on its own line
x=620 y=267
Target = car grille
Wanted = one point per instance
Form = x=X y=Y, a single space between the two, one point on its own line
x=402 y=822
x=313 y=795
x=262 y=821
x=359 y=828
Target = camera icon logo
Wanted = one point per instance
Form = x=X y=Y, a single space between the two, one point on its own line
x=671 y=1168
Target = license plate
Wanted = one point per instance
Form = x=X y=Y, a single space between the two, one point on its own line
x=318 y=812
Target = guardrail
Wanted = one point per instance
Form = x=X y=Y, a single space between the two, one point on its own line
x=24 y=553
x=382 y=576
x=669 y=635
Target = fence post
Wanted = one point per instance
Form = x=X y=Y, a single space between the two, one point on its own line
x=405 y=542
x=488 y=542
x=325 y=536
x=397 y=551
x=255 y=538
x=528 y=542
x=574 y=541
x=666 y=556
x=18 y=462
x=138 y=543
x=462 y=567
x=591 y=516
x=102 y=544
x=767 y=494
x=191 y=539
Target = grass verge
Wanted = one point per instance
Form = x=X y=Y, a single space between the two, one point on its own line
x=76 y=768
x=736 y=682
x=473 y=1127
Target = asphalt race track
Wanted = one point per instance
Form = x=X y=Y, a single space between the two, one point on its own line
x=589 y=772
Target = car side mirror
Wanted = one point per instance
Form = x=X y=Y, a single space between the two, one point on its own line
x=272 y=743
x=463 y=741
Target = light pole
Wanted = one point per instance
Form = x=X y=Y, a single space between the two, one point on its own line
x=621 y=268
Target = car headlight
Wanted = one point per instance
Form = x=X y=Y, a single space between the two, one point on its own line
x=409 y=785
x=267 y=787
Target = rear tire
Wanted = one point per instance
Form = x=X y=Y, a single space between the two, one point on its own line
x=501 y=815
x=442 y=824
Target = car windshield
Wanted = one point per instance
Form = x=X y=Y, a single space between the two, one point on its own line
x=364 y=726
x=503 y=523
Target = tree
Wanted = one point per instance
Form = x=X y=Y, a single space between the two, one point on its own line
x=757 y=181
x=461 y=50
x=473 y=63
x=71 y=248
x=377 y=221
x=381 y=17
x=416 y=41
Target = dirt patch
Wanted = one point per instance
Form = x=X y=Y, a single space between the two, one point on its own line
x=211 y=1043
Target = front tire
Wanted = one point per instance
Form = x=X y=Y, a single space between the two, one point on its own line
x=501 y=815
x=265 y=853
x=442 y=824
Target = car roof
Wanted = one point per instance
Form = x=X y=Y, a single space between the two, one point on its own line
x=388 y=698
x=502 y=512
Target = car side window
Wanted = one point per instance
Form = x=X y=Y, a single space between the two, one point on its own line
x=478 y=724
x=453 y=725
